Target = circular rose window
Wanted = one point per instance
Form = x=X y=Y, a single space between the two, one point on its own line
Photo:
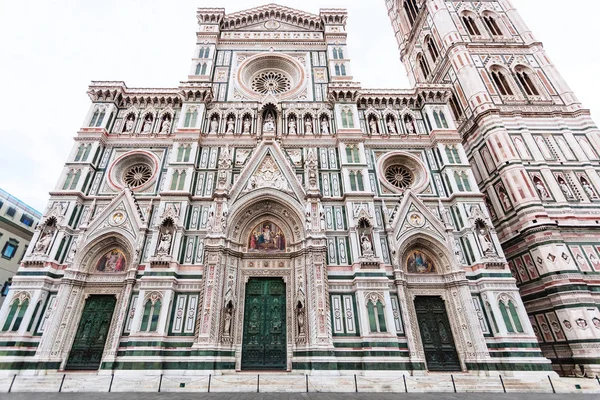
x=271 y=82
x=399 y=171
x=136 y=169
x=274 y=74
x=399 y=176
x=137 y=175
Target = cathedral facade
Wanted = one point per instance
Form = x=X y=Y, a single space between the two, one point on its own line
x=271 y=214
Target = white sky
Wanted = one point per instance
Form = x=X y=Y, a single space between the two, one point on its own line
x=51 y=50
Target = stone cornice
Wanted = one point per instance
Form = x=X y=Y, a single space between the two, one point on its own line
x=117 y=92
x=265 y=13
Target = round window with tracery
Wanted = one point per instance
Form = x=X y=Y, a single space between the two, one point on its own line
x=271 y=82
x=399 y=176
x=137 y=175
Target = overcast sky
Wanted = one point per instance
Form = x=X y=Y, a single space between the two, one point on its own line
x=51 y=50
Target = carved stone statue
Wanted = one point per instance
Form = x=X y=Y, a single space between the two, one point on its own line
x=269 y=125
x=588 y=189
x=292 y=126
x=308 y=217
x=247 y=125
x=541 y=189
x=564 y=188
x=366 y=245
x=391 y=126
x=44 y=241
x=166 y=126
x=373 y=125
x=300 y=313
x=485 y=239
x=322 y=217
x=165 y=242
x=324 y=126
x=147 y=124
x=308 y=128
x=129 y=123
x=214 y=125
x=227 y=323
x=410 y=126
x=230 y=125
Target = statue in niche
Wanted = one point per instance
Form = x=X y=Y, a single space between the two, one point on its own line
x=564 y=187
x=308 y=217
x=269 y=125
x=373 y=125
x=228 y=318
x=485 y=238
x=391 y=126
x=214 y=125
x=366 y=245
x=230 y=125
x=587 y=188
x=541 y=189
x=166 y=125
x=410 y=125
x=246 y=125
x=147 y=124
x=292 y=126
x=300 y=313
x=45 y=239
x=308 y=128
x=129 y=124
x=324 y=126
x=165 y=242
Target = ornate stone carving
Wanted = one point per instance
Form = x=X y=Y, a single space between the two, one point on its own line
x=268 y=175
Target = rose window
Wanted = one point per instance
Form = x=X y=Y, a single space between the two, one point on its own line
x=399 y=176
x=271 y=82
x=137 y=175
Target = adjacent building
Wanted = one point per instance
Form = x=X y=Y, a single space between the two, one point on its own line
x=17 y=224
x=270 y=213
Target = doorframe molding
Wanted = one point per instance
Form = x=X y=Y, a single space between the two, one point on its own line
x=238 y=334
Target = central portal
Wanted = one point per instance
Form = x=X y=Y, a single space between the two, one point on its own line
x=264 y=346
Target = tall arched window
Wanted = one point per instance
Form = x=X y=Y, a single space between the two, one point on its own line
x=75 y=180
x=412 y=10
x=510 y=317
x=376 y=316
x=175 y=180
x=80 y=151
x=86 y=153
x=337 y=70
x=201 y=68
x=338 y=53
x=526 y=82
x=151 y=315
x=423 y=65
x=191 y=117
x=15 y=315
x=456 y=109
x=432 y=48
x=499 y=78
x=68 y=180
x=204 y=52
x=492 y=25
x=471 y=25
x=343 y=69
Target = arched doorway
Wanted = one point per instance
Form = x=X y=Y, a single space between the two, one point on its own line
x=105 y=260
x=433 y=306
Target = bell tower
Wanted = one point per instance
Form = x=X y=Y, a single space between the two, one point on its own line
x=533 y=149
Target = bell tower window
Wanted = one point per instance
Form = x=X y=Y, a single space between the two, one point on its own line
x=471 y=25
x=412 y=10
x=499 y=78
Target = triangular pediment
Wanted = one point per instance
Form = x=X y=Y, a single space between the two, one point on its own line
x=272 y=17
x=412 y=216
x=121 y=215
x=268 y=168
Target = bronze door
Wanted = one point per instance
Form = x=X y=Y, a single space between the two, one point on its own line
x=86 y=353
x=436 y=334
x=264 y=345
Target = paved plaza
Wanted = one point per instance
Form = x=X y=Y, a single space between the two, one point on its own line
x=284 y=396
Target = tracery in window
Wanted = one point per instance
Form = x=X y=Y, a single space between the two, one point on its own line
x=492 y=24
x=471 y=24
x=501 y=81
x=524 y=78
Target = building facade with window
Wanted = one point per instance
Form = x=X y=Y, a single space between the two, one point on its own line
x=533 y=150
x=270 y=213
x=17 y=224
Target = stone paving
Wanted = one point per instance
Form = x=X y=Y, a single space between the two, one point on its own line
x=283 y=396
